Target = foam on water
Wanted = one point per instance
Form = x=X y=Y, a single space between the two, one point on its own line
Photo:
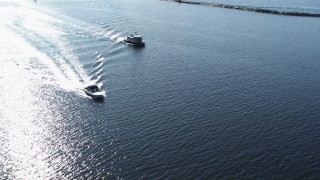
x=46 y=41
x=47 y=30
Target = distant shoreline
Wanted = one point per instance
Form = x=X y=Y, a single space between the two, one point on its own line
x=246 y=8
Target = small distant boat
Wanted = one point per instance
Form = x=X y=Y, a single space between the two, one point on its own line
x=135 y=40
x=94 y=92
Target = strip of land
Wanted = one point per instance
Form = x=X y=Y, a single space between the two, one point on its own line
x=246 y=8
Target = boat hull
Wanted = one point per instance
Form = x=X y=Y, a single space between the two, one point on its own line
x=95 y=96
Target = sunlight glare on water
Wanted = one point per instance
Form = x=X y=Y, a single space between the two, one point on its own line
x=26 y=117
x=20 y=132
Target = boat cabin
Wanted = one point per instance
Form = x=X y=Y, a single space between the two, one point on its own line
x=134 y=39
x=93 y=88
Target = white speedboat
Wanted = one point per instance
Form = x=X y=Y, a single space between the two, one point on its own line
x=135 y=40
x=94 y=92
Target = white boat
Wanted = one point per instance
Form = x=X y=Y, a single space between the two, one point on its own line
x=135 y=40
x=94 y=92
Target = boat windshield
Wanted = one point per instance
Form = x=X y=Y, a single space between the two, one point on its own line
x=93 y=88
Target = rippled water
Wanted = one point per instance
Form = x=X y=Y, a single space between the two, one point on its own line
x=306 y=6
x=215 y=94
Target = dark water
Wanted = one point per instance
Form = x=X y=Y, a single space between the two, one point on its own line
x=215 y=94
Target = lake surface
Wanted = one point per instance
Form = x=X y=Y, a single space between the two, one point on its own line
x=306 y=6
x=215 y=94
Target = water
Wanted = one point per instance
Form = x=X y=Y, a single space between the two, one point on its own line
x=307 y=6
x=215 y=94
